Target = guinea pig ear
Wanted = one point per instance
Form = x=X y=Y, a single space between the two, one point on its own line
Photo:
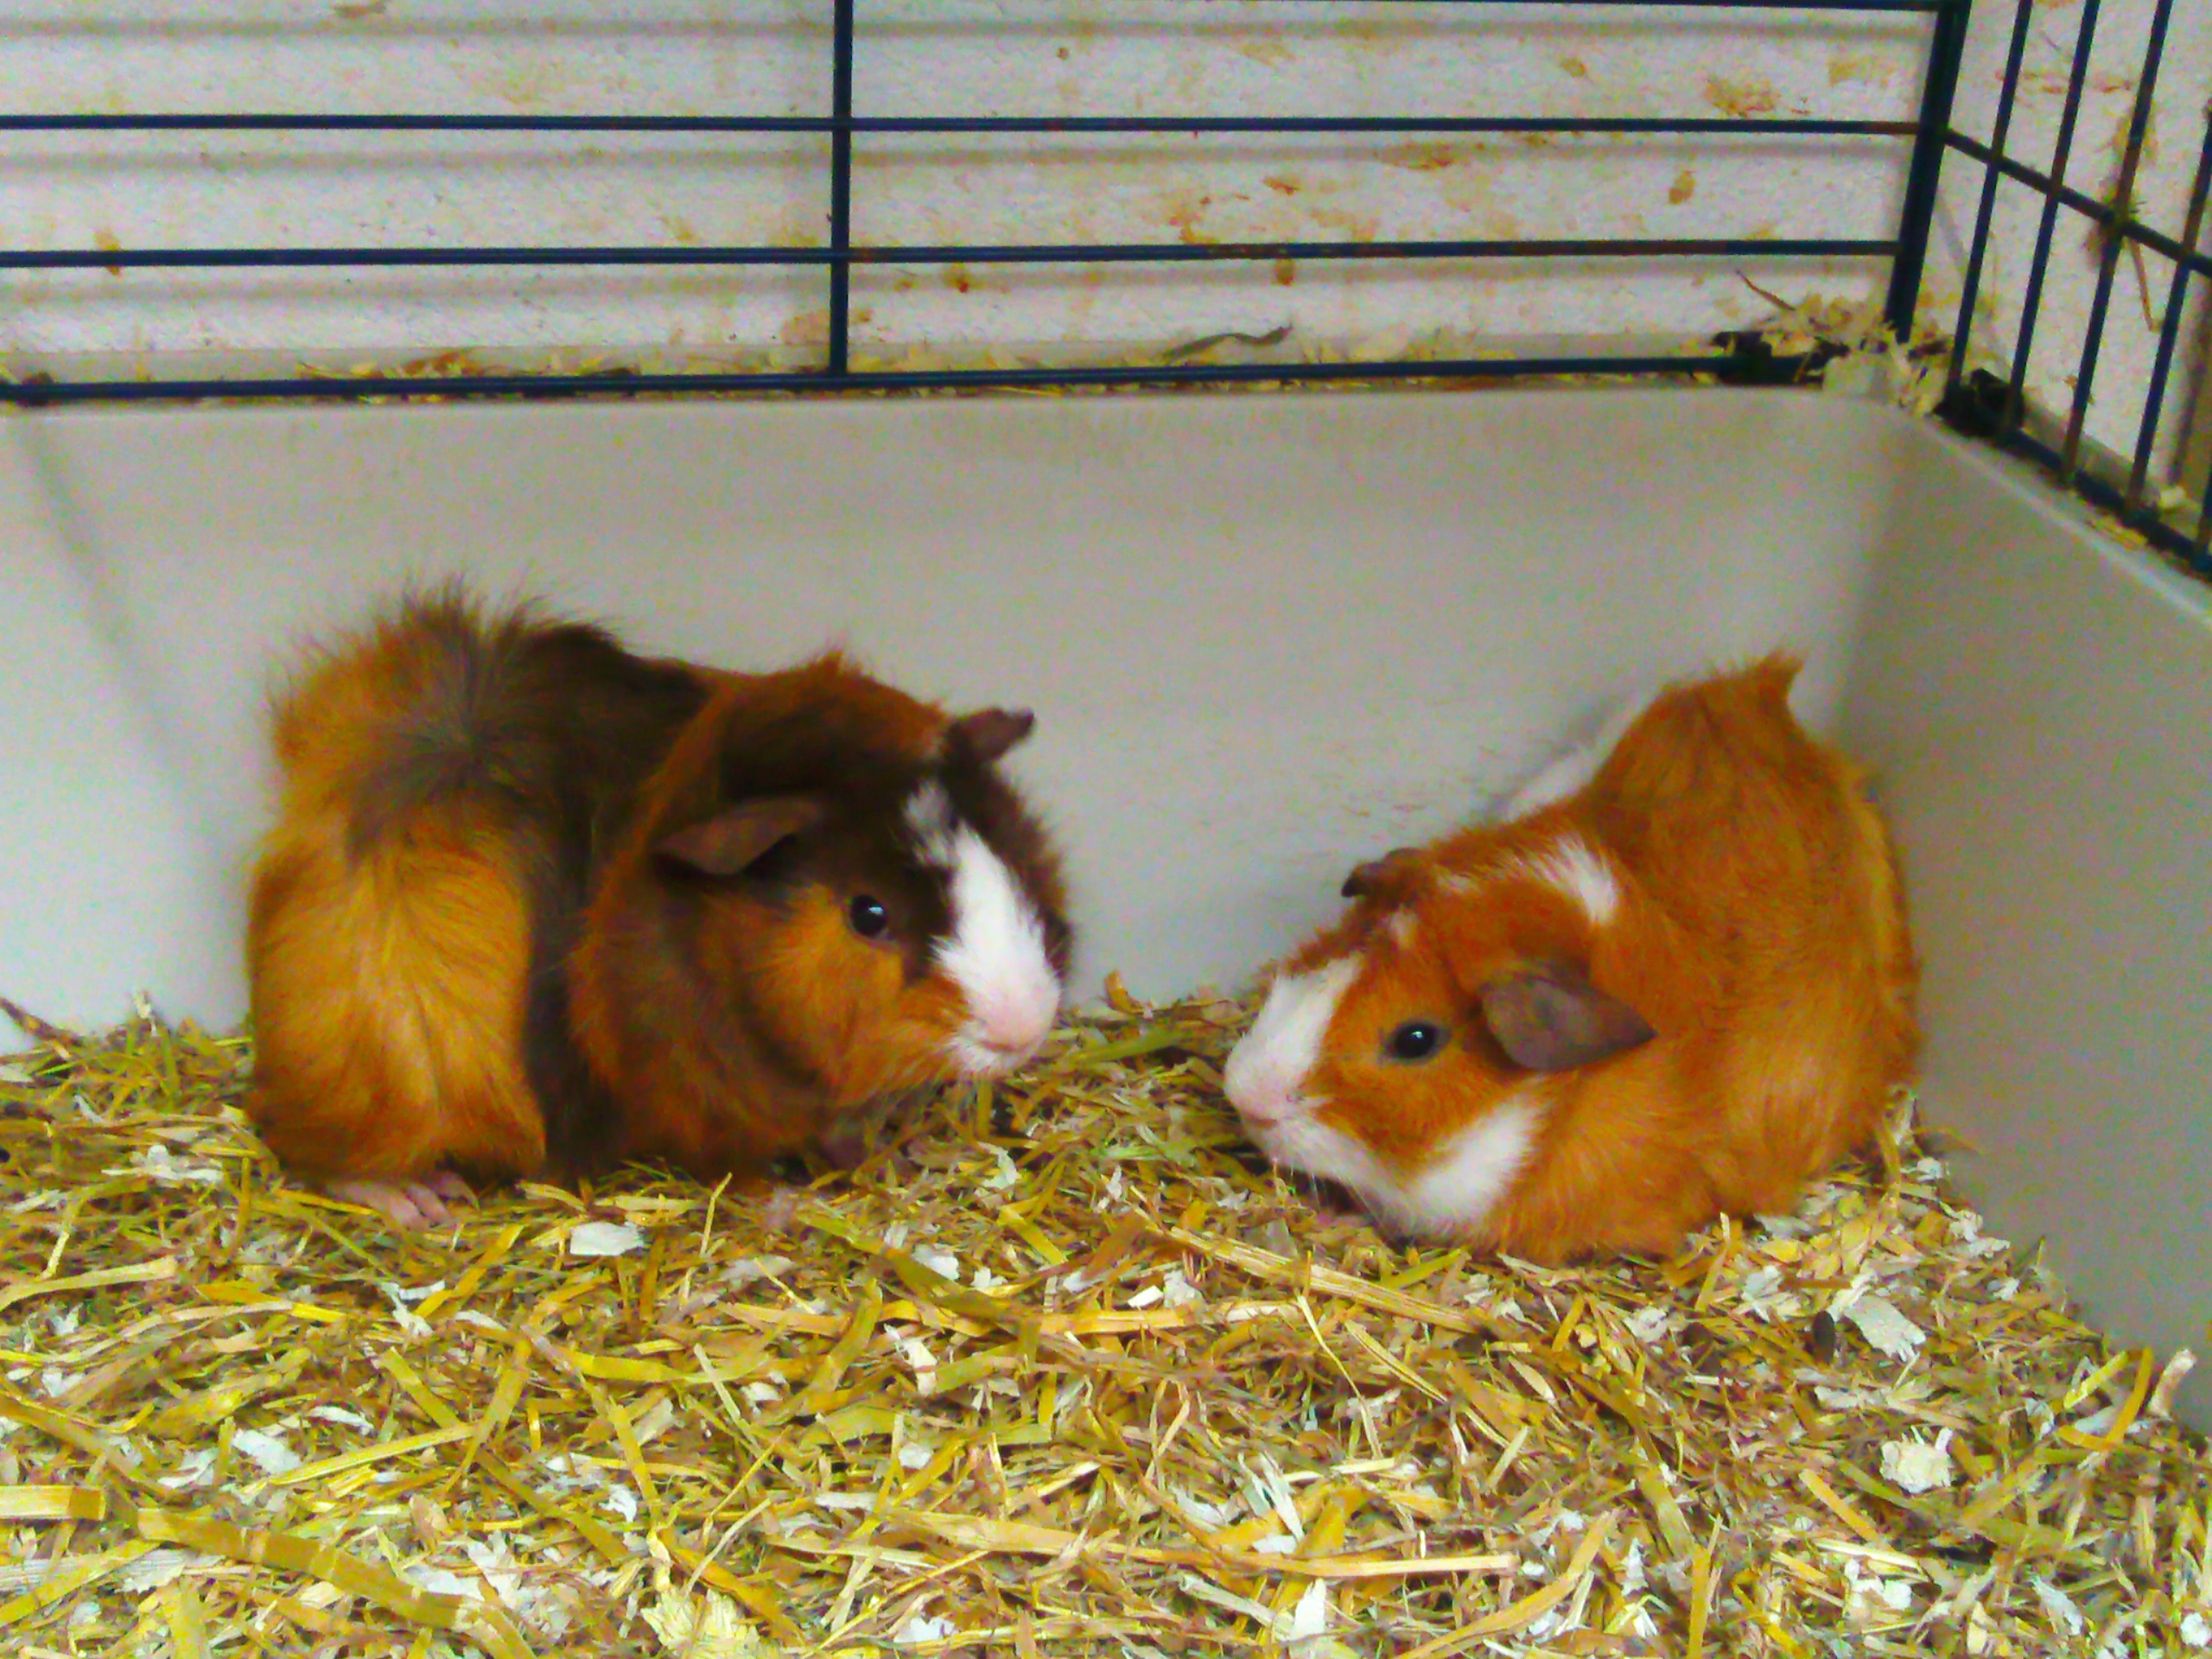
x=989 y=733
x=735 y=838
x=1549 y=1017
x=1371 y=876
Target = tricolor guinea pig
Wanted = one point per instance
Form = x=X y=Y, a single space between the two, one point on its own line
x=1676 y=980
x=533 y=905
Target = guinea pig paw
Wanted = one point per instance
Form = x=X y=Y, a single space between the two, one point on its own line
x=411 y=1207
x=1339 y=1206
x=1334 y=1201
x=451 y=1185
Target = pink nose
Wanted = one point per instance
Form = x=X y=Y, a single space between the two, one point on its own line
x=1262 y=1089
x=1262 y=1102
x=1011 y=1024
x=1016 y=1037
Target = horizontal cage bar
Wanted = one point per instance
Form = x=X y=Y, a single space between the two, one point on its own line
x=1041 y=124
x=625 y=384
x=981 y=254
x=2099 y=492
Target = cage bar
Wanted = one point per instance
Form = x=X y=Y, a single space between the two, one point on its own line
x=2115 y=239
x=2008 y=93
x=1918 y=217
x=1994 y=404
x=2039 y=263
x=2168 y=334
x=840 y=187
x=837 y=255
x=844 y=124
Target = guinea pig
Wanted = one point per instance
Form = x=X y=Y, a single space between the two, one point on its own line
x=533 y=905
x=1676 y=981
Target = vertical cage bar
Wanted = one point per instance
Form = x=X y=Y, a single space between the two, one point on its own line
x=1946 y=49
x=2031 y=301
x=2201 y=549
x=841 y=186
x=2170 y=334
x=2007 y=96
x=2115 y=242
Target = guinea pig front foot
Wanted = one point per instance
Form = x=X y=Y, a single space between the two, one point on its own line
x=411 y=1207
x=1335 y=1202
x=1337 y=1205
x=1331 y=1200
x=852 y=1134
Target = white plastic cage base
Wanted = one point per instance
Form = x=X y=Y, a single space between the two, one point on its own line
x=1265 y=636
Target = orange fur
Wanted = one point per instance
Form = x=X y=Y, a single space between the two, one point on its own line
x=1759 y=931
x=387 y=984
x=841 y=1005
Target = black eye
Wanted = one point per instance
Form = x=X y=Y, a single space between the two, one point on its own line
x=868 y=917
x=1415 y=1041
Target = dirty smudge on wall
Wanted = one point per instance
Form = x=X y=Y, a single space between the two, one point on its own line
x=937 y=58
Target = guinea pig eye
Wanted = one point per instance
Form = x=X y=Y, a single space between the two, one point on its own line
x=1415 y=1041
x=868 y=917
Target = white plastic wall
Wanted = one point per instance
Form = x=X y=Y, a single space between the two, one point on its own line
x=1265 y=636
x=2036 y=700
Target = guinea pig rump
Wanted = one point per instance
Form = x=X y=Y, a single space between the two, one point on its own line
x=386 y=992
x=437 y=770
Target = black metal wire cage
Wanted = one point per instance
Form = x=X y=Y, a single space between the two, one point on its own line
x=1991 y=401
x=1995 y=405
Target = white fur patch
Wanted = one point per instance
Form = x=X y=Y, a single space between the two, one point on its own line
x=929 y=820
x=1465 y=1176
x=1268 y=1066
x=1304 y=1143
x=1574 y=769
x=1450 y=1197
x=1404 y=925
x=995 y=954
x=1579 y=871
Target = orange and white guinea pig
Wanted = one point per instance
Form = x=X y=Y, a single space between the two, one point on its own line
x=1675 y=981
x=534 y=905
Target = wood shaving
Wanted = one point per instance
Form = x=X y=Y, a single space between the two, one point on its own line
x=1058 y=1370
